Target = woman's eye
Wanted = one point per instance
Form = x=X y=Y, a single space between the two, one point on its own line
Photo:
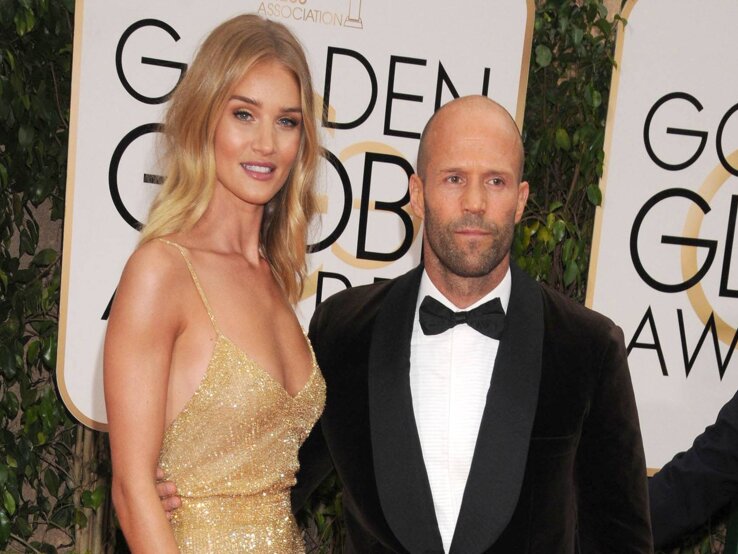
x=243 y=115
x=288 y=122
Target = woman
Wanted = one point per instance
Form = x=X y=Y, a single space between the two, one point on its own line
x=207 y=371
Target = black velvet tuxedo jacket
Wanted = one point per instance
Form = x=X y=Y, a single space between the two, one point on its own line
x=699 y=482
x=558 y=465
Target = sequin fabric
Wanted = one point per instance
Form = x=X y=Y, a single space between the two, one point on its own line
x=232 y=452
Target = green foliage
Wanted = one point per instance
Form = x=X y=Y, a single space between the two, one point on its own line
x=321 y=519
x=564 y=130
x=38 y=490
x=708 y=539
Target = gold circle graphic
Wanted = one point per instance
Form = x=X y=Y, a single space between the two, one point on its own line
x=696 y=294
x=355 y=149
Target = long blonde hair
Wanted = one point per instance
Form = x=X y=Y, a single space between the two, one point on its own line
x=189 y=129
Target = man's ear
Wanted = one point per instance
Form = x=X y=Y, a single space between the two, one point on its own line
x=523 y=190
x=417 y=201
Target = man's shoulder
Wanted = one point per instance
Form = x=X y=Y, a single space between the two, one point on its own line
x=562 y=312
x=343 y=325
x=353 y=311
x=356 y=299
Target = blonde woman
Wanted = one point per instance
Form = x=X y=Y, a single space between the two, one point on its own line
x=207 y=371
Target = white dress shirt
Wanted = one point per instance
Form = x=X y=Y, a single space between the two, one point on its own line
x=450 y=375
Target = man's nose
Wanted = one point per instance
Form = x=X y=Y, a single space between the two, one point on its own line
x=475 y=197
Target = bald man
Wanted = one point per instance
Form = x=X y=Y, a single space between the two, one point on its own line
x=510 y=427
x=469 y=409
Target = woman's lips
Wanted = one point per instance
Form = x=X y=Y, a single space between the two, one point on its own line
x=260 y=171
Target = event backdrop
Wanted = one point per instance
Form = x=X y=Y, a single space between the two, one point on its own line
x=380 y=68
x=664 y=262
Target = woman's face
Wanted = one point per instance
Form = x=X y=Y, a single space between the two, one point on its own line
x=258 y=134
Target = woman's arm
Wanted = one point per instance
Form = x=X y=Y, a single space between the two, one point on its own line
x=141 y=331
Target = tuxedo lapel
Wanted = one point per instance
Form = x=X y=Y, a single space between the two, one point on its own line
x=500 y=455
x=402 y=481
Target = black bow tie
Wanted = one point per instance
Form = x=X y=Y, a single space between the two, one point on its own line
x=488 y=319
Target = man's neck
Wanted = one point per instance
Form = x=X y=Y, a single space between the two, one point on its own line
x=465 y=291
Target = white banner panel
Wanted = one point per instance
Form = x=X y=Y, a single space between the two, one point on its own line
x=664 y=263
x=381 y=67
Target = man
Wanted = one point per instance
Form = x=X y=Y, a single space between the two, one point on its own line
x=699 y=482
x=520 y=438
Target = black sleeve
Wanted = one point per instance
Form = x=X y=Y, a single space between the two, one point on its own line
x=611 y=466
x=315 y=465
x=698 y=482
x=314 y=457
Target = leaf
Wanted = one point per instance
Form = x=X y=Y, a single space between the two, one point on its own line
x=563 y=142
x=596 y=99
x=80 y=519
x=526 y=234
x=26 y=135
x=97 y=497
x=555 y=205
x=569 y=245
x=26 y=243
x=20 y=24
x=3 y=474
x=44 y=258
x=49 y=354
x=543 y=55
x=577 y=35
x=7 y=359
x=9 y=502
x=10 y=402
x=559 y=230
x=32 y=352
x=52 y=482
x=30 y=21
x=543 y=234
x=4 y=528
x=571 y=272
x=594 y=195
x=24 y=529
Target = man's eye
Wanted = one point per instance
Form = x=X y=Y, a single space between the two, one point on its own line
x=453 y=179
x=497 y=181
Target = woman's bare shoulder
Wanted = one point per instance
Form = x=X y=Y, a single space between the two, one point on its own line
x=155 y=264
x=153 y=279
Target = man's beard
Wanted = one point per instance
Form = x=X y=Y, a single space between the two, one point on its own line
x=477 y=260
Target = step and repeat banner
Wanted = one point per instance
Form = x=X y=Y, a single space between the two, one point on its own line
x=380 y=69
x=665 y=255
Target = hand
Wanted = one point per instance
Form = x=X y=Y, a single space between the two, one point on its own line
x=167 y=492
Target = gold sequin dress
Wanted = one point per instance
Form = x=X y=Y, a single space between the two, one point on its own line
x=232 y=452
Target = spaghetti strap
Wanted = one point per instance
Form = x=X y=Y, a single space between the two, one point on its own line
x=196 y=281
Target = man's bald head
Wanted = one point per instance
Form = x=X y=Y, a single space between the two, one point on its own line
x=455 y=112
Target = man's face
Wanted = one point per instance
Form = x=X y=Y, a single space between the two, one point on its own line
x=470 y=196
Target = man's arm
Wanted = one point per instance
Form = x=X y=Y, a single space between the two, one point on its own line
x=315 y=459
x=610 y=467
x=315 y=465
x=698 y=482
